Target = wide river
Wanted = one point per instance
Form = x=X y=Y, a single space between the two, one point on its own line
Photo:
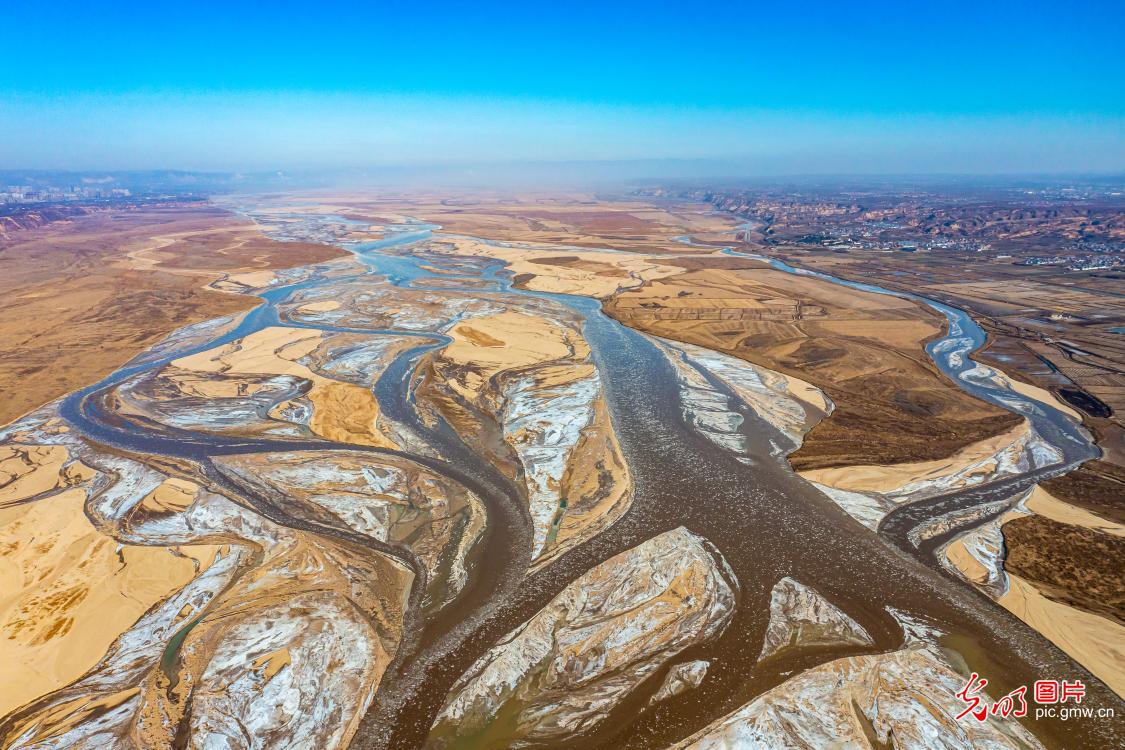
x=766 y=521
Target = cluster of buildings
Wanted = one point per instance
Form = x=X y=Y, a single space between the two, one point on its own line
x=30 y=194
x=1075 y=262
x=1084 y=255
x=867 y=237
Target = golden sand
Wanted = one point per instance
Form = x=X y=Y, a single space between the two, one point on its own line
x=204 y=385
x=483 y=347
x=67 y=591
x=268 y=351
x=249 y=279
x=1093 y=641
x=1043 y=395
x=616 y=271
x=1045 y=504
x=966 y=563
x=509 y=340
x=891 y=477
x=172 y=496
x=273 y=662
x=322 y=306
x=341 y=411
x=347 y=413
x=806 y=392
x=26 y=471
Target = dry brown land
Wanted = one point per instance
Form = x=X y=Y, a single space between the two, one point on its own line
x=864 y=350
x=1047 y=326
x=575 y=219
x=1012 y=260
x=1068 y=564
x=80 y=298
x=1097 y=486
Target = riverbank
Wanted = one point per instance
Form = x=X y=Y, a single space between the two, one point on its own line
x=78 y=299
x=865 y=351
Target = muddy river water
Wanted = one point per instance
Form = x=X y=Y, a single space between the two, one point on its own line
x=766 y=521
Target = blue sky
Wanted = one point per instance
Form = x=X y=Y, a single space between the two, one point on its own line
x=771 y=87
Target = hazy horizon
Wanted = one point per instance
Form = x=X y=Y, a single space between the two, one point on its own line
x=1003 y=89
x=524 y=175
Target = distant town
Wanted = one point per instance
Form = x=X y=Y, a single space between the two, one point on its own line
x=29 y=194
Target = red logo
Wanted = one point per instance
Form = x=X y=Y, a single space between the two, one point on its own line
x=1075 y=690
x=1046 y=691
x=974 y=705
x=1008 y=704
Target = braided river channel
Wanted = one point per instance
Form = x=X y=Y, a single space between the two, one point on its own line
x=767 y=522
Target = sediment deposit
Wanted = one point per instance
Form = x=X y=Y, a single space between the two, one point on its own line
x=562 y=671
x=904 y=699
x=1053 y=566
x=715 y=387
x=524 y=388
x=801 y=617
x=243 y=619
x=80 y=298
x=264 y=591
x=868 y=493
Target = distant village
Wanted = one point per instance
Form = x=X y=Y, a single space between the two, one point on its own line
x=29 y=194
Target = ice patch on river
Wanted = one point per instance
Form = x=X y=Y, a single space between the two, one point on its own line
x=564 y=670
x=544 y=425
x=713 y=412
x=1025 y=453
x=905 y=699
x=978 y=555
